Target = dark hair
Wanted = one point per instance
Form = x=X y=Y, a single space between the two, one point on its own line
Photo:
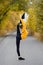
x=23 y=16
x=20 y=21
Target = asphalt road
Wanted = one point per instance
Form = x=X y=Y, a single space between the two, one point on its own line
x=30 y=48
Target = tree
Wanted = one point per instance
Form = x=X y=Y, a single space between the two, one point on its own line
x=39 y=14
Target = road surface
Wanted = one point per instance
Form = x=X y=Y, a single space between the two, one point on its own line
x=31 y=49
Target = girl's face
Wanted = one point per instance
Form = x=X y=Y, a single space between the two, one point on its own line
x=26 y=16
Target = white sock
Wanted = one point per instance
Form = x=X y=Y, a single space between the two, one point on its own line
x=18 y=56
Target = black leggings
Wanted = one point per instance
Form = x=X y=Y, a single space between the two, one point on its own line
x=18 y=45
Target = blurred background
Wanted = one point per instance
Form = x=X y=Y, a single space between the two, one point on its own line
x=11 y=10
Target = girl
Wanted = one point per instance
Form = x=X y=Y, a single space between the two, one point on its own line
x=21 y=27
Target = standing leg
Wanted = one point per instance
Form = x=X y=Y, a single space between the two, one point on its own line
x=18 y=46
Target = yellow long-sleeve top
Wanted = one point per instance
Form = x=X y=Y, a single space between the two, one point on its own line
x=24 y=30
